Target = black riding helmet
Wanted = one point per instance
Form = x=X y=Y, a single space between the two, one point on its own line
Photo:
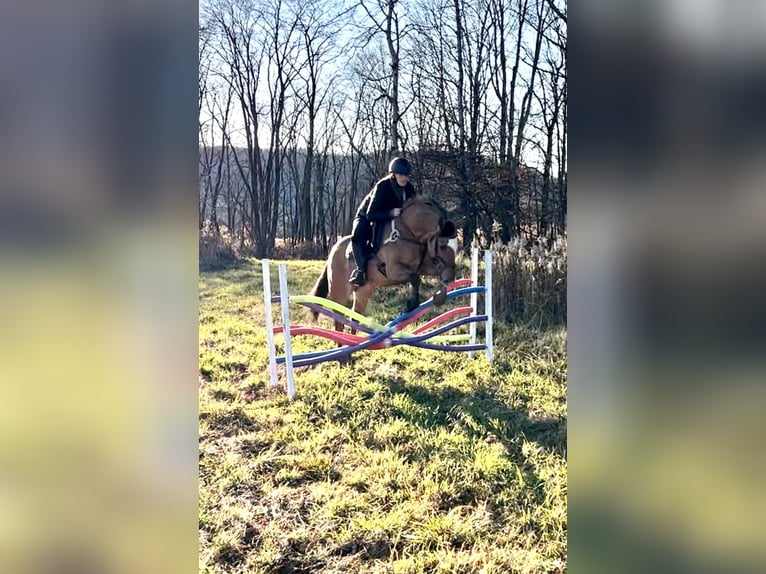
x=400 y=165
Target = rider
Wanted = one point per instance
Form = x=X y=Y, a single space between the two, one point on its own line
x=383 y=203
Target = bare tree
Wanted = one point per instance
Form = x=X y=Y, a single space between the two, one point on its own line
x=220 y=116
x=561 y=127
x=318 y=28
x=526 y=103
x=256 y=45
x=352 y=138
x=561 y=14
x=205 y=163
x=295 y=130
x=292 y=178
x=386 y=21
x=550 y=101
x=499 y=72
x=371 y=112
x=241 y=56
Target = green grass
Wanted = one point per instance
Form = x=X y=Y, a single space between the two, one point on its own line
x=405 y=461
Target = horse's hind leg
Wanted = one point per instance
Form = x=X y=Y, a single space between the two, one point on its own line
x=339 y=272
x=362 y=296
x=340 y=292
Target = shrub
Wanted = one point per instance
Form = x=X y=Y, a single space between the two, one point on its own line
x=530 y=279
x=300 y=250
x=216 y=251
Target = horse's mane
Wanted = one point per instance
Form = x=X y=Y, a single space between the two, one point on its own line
x=426 y=201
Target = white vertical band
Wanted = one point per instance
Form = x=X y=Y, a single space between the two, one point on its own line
x=285 y=302
x=269 y=323
x=488 y=304
x=474 y=296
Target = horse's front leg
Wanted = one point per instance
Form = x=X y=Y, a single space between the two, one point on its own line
x=414 y=299
x=440 y=295
x=400 y=273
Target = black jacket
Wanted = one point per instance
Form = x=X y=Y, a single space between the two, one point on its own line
x=385 y=196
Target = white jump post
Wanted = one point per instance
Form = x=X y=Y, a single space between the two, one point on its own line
x=488 y=339
x=269 y=323
x=285 y=302
x=474 y=296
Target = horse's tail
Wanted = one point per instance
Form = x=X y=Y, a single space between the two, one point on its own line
x=321 y=288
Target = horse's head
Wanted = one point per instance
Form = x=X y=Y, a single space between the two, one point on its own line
x=440 y=256
x=429 y=222
x=445 y=258
x=442 y=265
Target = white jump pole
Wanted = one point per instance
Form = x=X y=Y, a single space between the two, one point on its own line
x=488 y=305
x=285 y=302
x=269 y=323
x=474 y=296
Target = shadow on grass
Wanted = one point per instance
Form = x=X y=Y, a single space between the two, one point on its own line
x=229 y=422
x=447 y=406
x=482 y=415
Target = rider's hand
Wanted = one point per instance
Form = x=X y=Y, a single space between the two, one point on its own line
x=396 y=211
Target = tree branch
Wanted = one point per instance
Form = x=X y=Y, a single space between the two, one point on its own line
x=558 y=12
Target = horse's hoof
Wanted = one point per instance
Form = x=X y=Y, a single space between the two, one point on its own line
x=410 y=306
x=440 y=297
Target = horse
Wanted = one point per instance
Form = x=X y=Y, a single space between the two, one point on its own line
x=415 y=243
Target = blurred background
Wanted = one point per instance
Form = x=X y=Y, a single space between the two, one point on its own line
x=98 y=248
x=666 y=312
x=98 y=321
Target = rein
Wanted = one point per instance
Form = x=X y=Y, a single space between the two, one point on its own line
x=395 y=235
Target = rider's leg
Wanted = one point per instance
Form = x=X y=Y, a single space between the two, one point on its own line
x=359 y=236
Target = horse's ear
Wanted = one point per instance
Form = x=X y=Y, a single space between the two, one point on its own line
x=448 y=230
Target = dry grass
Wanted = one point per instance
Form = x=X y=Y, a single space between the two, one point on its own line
x=216 y=251
x=406 y=461
x=531 y=282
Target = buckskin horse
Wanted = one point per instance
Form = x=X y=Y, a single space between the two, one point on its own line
x=413 y=244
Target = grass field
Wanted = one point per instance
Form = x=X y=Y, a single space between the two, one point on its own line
x=407 y=460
